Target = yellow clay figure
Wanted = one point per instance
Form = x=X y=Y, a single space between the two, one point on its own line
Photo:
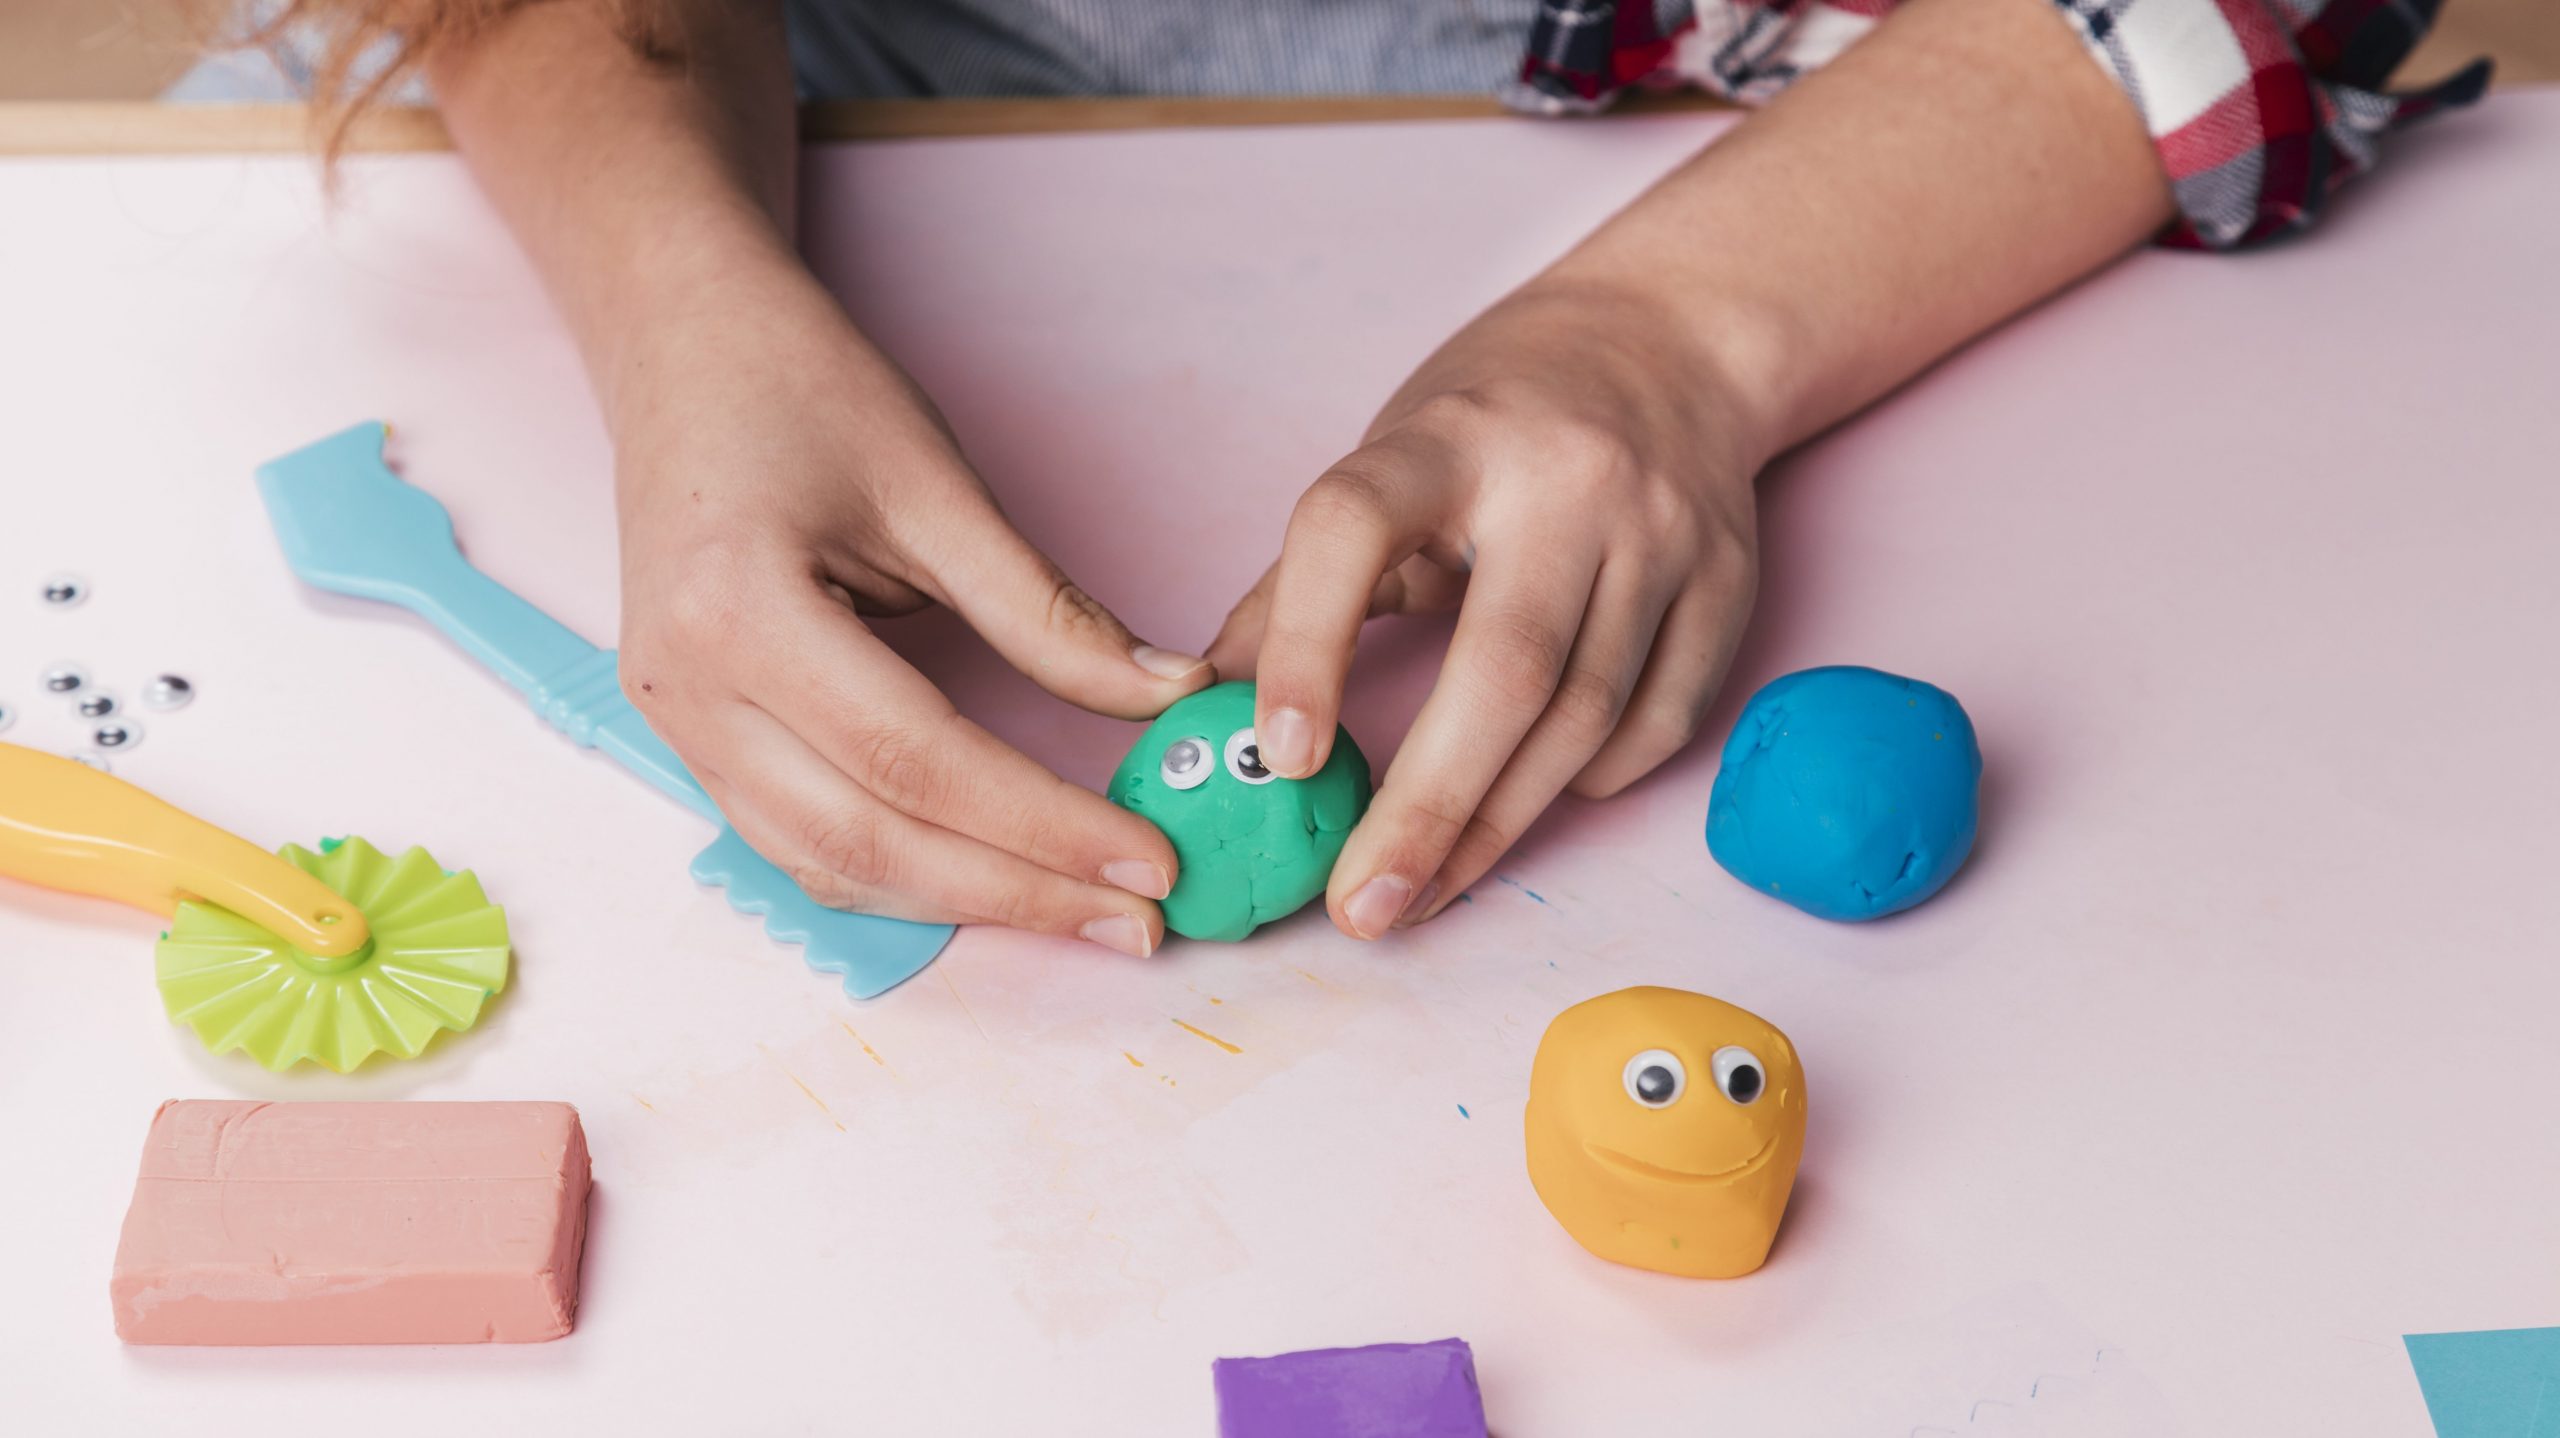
x=1664 y=1129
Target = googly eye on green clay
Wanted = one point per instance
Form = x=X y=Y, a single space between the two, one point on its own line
x=1186 y=764
x=1244 y=758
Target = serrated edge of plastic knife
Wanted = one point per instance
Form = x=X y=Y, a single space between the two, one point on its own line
x=754 y=886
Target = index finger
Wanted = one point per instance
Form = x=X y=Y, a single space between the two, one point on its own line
x=871 y=715
x=1359 y=520
x=1416 y=586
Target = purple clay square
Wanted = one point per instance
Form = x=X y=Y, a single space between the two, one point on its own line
x=1387 y=1390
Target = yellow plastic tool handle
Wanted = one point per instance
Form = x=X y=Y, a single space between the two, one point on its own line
x=64 y=825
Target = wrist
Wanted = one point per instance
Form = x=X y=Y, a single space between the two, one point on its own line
x=1748 y=327
x=1718 y=359
x=702 y=305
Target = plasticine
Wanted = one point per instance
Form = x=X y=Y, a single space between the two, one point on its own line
x=1664 y=1129
x=1849 y=793
x=1249 y=852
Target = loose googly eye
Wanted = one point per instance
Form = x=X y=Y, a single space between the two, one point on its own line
x=8 y=716
x=167 y=691
x=1738 y=1073
x=1244 y=758
x=64 y=591
x=116 y=734
x=1186 y=764
x=95 y=760
x=96 y=704
x=64 y=679
x=1655 y=1078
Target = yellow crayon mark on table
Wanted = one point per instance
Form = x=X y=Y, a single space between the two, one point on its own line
x=870 y=1052
x=804 y=1088
x=1134 y=1061
x=813 y=1098
x=943 y=971
x=644 y=1103
x=1201 y=1033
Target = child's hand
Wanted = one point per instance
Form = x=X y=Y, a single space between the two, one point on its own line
x=1569 y=467
x=780 y=478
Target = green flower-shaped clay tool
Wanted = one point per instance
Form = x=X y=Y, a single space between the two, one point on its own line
x=331 y=956
x=437 y=956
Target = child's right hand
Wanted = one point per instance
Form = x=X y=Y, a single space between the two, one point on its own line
x=779 y=478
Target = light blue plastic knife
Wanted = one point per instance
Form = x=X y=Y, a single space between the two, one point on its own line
x=351 y=526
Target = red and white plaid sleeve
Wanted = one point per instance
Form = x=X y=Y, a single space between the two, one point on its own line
x=2260 y=108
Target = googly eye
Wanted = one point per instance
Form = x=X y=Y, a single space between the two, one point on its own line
x=1739 y=1076
x=64 y=591
x=1186 y=764
x=8 y=716
x=1244 y=758
x=1655 y=1078
x=167 y=691
x=94 y=760
x=96 y=704
x=64 y=679
x=116 y=734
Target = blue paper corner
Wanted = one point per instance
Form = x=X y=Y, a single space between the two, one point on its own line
x=2495 y=1383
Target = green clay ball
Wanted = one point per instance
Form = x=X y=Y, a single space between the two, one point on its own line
x=1253 y=849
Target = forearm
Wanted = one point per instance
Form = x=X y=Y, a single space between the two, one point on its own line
x=1959 y=164
x=644 y=191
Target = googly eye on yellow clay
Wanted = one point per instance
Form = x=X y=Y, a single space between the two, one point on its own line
x=1655 y=1078
x=1738 y=1074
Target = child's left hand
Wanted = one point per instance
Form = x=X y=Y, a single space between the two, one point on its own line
x=1574 y=473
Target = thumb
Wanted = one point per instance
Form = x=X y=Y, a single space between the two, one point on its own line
x=1049 y=628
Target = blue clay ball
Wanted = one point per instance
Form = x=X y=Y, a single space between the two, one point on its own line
x=1850 y=793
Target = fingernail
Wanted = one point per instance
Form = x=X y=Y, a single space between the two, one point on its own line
x=1119 y=931
x=1375 y=904
x=1138 y=876
x=1165 y=663
x=1420 y=906
x=1288 y=745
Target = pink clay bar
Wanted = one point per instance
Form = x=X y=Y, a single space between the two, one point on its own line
x=273 y=1223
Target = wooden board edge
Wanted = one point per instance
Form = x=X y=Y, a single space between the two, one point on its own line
x=83 y=127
